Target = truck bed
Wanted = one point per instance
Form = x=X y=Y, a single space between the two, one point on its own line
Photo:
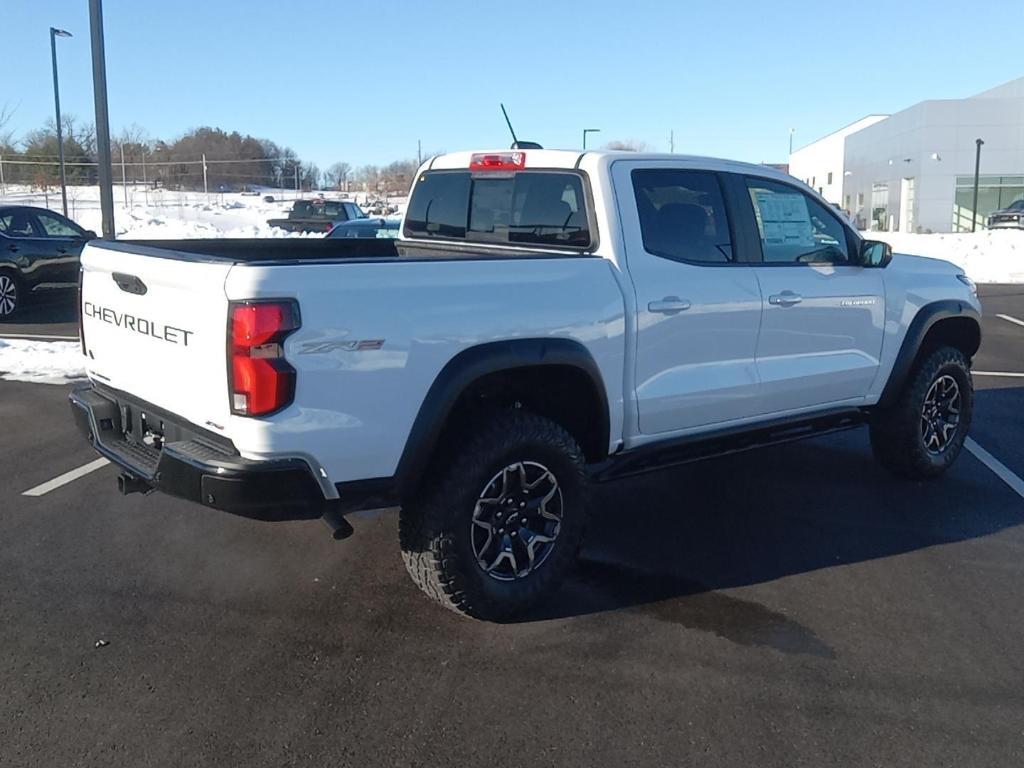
x=244 y=250
x=269 y=251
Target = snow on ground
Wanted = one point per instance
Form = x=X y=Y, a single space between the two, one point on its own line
x=46 y=362
x=163 y=214
x=989 y=256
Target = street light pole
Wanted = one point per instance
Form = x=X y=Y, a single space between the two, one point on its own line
x=54 y=34
x=791 y=132
x=586 y=131
x=977 y=168
x=99 y=88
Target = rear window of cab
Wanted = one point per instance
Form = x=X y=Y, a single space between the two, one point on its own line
x=532 y=208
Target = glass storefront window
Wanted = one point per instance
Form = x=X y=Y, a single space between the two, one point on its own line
x=994 y=194
x=880 y=207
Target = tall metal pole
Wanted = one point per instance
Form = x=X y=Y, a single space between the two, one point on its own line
x=206 y=188
x=977 y=168
x=145 y=183
x=791 y=132
x=99 y=87
x=54 y=33
x=3 y=187
x=124 y=176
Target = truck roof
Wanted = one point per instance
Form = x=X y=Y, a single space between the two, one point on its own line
x=574 y=158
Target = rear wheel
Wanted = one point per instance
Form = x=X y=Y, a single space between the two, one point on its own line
x=11 y=295
x=924 y=432
x=500 y=524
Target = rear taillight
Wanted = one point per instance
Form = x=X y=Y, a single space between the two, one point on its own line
x=260 y=381
x=497 y=161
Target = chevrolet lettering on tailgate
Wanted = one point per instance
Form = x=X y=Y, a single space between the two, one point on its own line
x=141 y=325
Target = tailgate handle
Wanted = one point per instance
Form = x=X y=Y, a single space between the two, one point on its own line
x=129 y=283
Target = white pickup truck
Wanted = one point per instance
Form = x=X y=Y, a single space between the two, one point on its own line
x=549 y=320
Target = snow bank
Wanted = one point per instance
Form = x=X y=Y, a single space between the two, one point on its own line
x=161 y=214
x=989 y=256
x=47 y=362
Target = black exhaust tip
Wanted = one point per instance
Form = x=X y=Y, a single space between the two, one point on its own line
x=340 y=527
x=128 y=484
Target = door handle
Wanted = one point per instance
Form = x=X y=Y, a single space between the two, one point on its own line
x=670 y=305
x=12 y=248
x=785 y=299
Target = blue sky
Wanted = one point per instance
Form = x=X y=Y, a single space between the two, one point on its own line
x=362 y=81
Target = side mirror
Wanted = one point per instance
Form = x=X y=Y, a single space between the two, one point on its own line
x=89 y=235
x=874 y=253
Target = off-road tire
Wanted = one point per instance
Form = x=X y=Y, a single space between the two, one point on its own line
x=435 y=527
x=896 y=434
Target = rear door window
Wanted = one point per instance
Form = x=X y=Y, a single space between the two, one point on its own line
x=55 y=226
x=546 y=208
x=682 y=215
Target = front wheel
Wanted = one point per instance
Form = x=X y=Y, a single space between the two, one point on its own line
x=11 y=297
x=500 y=523
x=923 y=433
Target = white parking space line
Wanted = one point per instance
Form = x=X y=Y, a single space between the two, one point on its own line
x=1005 y=374
x=1009 y=319
x=998 y=468
x=66 y=478
x=41 y=337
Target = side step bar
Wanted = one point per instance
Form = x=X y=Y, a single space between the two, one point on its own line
x=686 y=450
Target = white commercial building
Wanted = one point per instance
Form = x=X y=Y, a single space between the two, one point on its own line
x=820 y=164
x=914 y=171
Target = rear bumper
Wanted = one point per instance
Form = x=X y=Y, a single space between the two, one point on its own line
x=193 y=469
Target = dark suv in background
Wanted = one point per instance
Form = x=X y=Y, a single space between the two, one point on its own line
x=39 y=249
x=1010 y=216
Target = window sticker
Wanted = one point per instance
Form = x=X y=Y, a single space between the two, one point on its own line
x=785 y=218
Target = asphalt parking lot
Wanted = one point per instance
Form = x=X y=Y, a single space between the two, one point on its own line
x=795 y=606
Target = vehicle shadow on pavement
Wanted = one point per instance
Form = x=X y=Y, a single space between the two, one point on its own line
x=666 y=542
x=52 y=307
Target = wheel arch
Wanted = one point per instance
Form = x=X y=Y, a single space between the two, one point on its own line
x=510 y=368
x=941 y=323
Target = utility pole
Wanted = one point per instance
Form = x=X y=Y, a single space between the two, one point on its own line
x=124 y=178
x=419 y=153
x=977 y=169
x=671 y=142
x=296 y=181
x=206 y=188
x=3 y=187
x=145 y=184
x=791 y=132
x=99 y=87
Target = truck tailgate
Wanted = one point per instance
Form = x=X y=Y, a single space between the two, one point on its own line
x=156 y=328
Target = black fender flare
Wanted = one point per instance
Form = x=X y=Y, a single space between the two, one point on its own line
x=926 y=317
x=467 y=367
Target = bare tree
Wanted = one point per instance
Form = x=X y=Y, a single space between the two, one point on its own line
x=337 y=175
x=6 y=113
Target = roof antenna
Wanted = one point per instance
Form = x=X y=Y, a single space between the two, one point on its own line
x=516 y=143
